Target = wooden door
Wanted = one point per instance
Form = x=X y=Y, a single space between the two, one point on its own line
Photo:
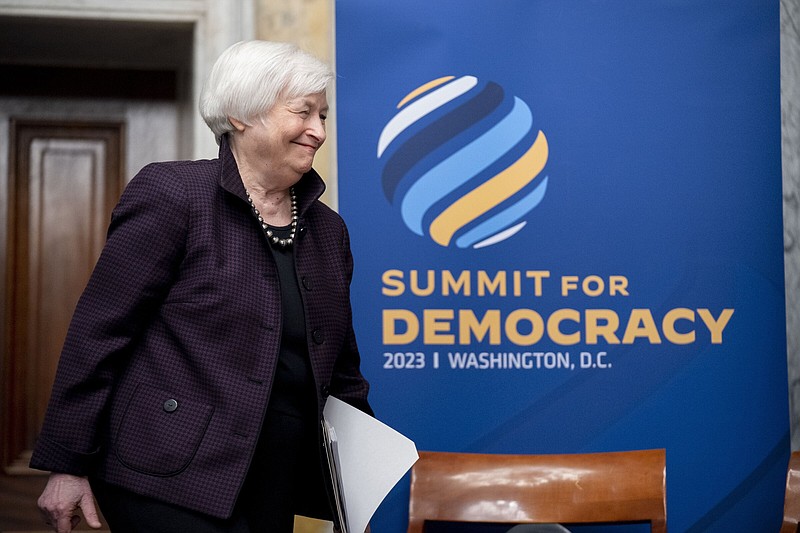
x=65 y=179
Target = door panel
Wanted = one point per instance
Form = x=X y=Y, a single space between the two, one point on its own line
x=65 y=179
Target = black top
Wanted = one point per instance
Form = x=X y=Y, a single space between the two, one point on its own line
x=286 y=476
x=293 y=390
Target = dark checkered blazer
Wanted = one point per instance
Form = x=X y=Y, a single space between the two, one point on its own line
x=168 y=363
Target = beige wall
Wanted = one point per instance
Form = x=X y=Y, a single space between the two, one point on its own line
x=310 y=25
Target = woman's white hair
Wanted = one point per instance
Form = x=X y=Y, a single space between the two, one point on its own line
x=248 y=78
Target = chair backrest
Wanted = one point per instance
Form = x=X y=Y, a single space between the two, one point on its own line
x=791 y=501
x=522 y=489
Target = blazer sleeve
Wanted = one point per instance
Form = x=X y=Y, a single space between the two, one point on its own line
x=144 y=247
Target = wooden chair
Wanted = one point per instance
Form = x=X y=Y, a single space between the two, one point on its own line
x=524 y=489
x=791 y=501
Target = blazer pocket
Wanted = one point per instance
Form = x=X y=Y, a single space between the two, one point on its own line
x=160 y=432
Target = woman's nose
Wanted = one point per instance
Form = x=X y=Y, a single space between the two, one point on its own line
x=317 y=130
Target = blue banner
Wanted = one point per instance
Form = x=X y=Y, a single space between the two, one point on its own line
x=566 y=222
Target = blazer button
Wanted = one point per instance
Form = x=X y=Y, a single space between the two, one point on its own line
x=326 y=391
x=306 y=283
x=318 y=336
x=170 y=405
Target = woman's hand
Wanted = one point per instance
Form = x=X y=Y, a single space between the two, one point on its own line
x=62 y=497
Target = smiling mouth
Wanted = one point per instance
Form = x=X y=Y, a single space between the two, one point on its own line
x=312 y=147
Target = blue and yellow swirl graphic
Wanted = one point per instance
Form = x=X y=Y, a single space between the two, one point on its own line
x=462 y=162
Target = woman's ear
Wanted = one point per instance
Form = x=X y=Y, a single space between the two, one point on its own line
x=238 y=124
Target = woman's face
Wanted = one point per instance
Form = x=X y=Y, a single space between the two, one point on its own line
x=285 y=140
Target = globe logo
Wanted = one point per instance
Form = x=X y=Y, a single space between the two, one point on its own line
x=461 y=162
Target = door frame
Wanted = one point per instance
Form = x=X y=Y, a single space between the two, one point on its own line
x=217 y=24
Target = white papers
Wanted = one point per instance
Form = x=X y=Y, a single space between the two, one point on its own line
x=332 y=451
x=367 y=457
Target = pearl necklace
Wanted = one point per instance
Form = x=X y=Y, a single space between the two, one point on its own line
x=274 y=239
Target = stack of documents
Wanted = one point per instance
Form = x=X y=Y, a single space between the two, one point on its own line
x=366 y=457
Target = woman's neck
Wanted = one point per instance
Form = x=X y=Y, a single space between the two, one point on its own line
x=274 y=204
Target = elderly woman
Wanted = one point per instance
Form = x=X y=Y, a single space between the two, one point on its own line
x=215 y=325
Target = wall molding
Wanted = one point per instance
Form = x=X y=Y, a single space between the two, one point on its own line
x=217 y=24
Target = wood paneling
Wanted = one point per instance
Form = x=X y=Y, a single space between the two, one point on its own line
x=65 y=179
